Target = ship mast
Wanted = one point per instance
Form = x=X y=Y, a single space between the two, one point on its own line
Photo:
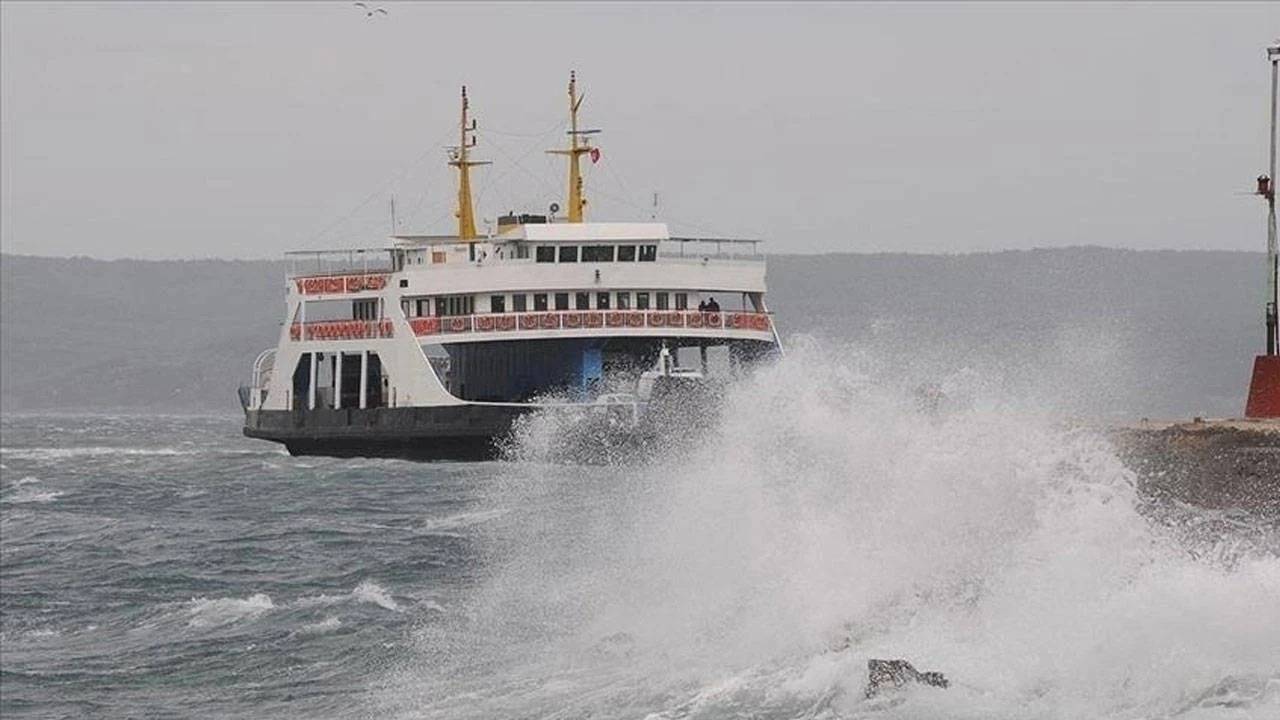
x=577 y=148
x=459 y=158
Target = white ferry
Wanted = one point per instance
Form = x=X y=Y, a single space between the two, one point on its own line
x=432 y=346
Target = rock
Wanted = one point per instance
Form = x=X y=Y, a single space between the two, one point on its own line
x=895 y=674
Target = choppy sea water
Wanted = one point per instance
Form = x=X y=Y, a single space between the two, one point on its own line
x=168 y=567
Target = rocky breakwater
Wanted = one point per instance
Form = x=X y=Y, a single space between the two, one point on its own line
x=1213 y=464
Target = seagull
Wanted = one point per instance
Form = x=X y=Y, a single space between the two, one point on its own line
x=369 y=12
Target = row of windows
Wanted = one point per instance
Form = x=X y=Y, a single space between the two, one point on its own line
x=541 y=302
x=621 y=300
x=596 y=253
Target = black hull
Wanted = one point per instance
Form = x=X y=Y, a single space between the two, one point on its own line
x=461 y=432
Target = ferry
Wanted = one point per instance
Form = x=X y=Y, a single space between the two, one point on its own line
x=432 y=347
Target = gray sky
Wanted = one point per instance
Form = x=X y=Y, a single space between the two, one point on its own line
x=241 y=130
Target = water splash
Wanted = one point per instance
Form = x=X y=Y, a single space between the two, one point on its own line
x=824 y=520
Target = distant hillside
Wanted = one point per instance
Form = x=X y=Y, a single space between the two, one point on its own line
x=77 y=333
x=1090 y=330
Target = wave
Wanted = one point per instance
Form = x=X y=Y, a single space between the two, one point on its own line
x=462 y=520
x=32 y=495
x=825 y=519
x=371 y=592
x=204 y=612
x=366 y=592
x=322 y=627
x=94 y=451
x=59 y=453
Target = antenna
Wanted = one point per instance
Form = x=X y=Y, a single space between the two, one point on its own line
x=393 y=214
x=654 y=215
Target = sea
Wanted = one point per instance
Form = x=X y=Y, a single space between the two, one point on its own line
x=158 y=566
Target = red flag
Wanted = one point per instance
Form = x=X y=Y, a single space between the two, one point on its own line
x=595 y=155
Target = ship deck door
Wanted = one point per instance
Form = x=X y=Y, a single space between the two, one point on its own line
x=302 y=382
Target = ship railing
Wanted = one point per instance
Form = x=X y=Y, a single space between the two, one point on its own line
x=591 y=320
x=253 y=394
x=341 y=330
x=323 y=263
x=706 y=249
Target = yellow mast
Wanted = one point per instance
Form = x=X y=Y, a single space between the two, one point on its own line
x=577 y=148
x=459 y=158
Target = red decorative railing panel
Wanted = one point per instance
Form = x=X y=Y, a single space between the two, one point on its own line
x=337 y=284
x=341 y=330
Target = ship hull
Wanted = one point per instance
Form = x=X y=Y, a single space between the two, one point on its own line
x=456 y=432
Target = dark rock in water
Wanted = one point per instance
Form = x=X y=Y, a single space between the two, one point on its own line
x=895 y=674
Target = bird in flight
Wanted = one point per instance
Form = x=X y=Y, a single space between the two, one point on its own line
x=370 y=12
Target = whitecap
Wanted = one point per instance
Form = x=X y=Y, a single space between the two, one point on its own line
x=34 y=496
x=371 y=592
x=322 y=599
x=462 y=520
x=366 y=592
x=220 y=611
x=329 y=624
x=26 y=480
x=62 y=453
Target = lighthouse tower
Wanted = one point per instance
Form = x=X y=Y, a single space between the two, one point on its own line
x=1264 y=388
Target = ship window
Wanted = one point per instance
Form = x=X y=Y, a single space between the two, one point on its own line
x=642 y=301
x=624 y=301
x=546 y=253
x=562 y=301
x=602 y=301
x=582 y=301
x=661 y=300
x=439 y=256
x=455 y=305
x=648 y=253
x=682 y=301
x=520 y=302
x=626 y=253
x=540 y=302
x=497 y=303
x=364 y=309
x=404 y=282
x=424 y=308
x=597 y=253
x=568 y=253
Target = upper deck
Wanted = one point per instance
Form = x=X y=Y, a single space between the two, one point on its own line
x=541 y=257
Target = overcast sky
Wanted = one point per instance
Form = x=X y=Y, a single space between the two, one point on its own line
x=244 y=130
